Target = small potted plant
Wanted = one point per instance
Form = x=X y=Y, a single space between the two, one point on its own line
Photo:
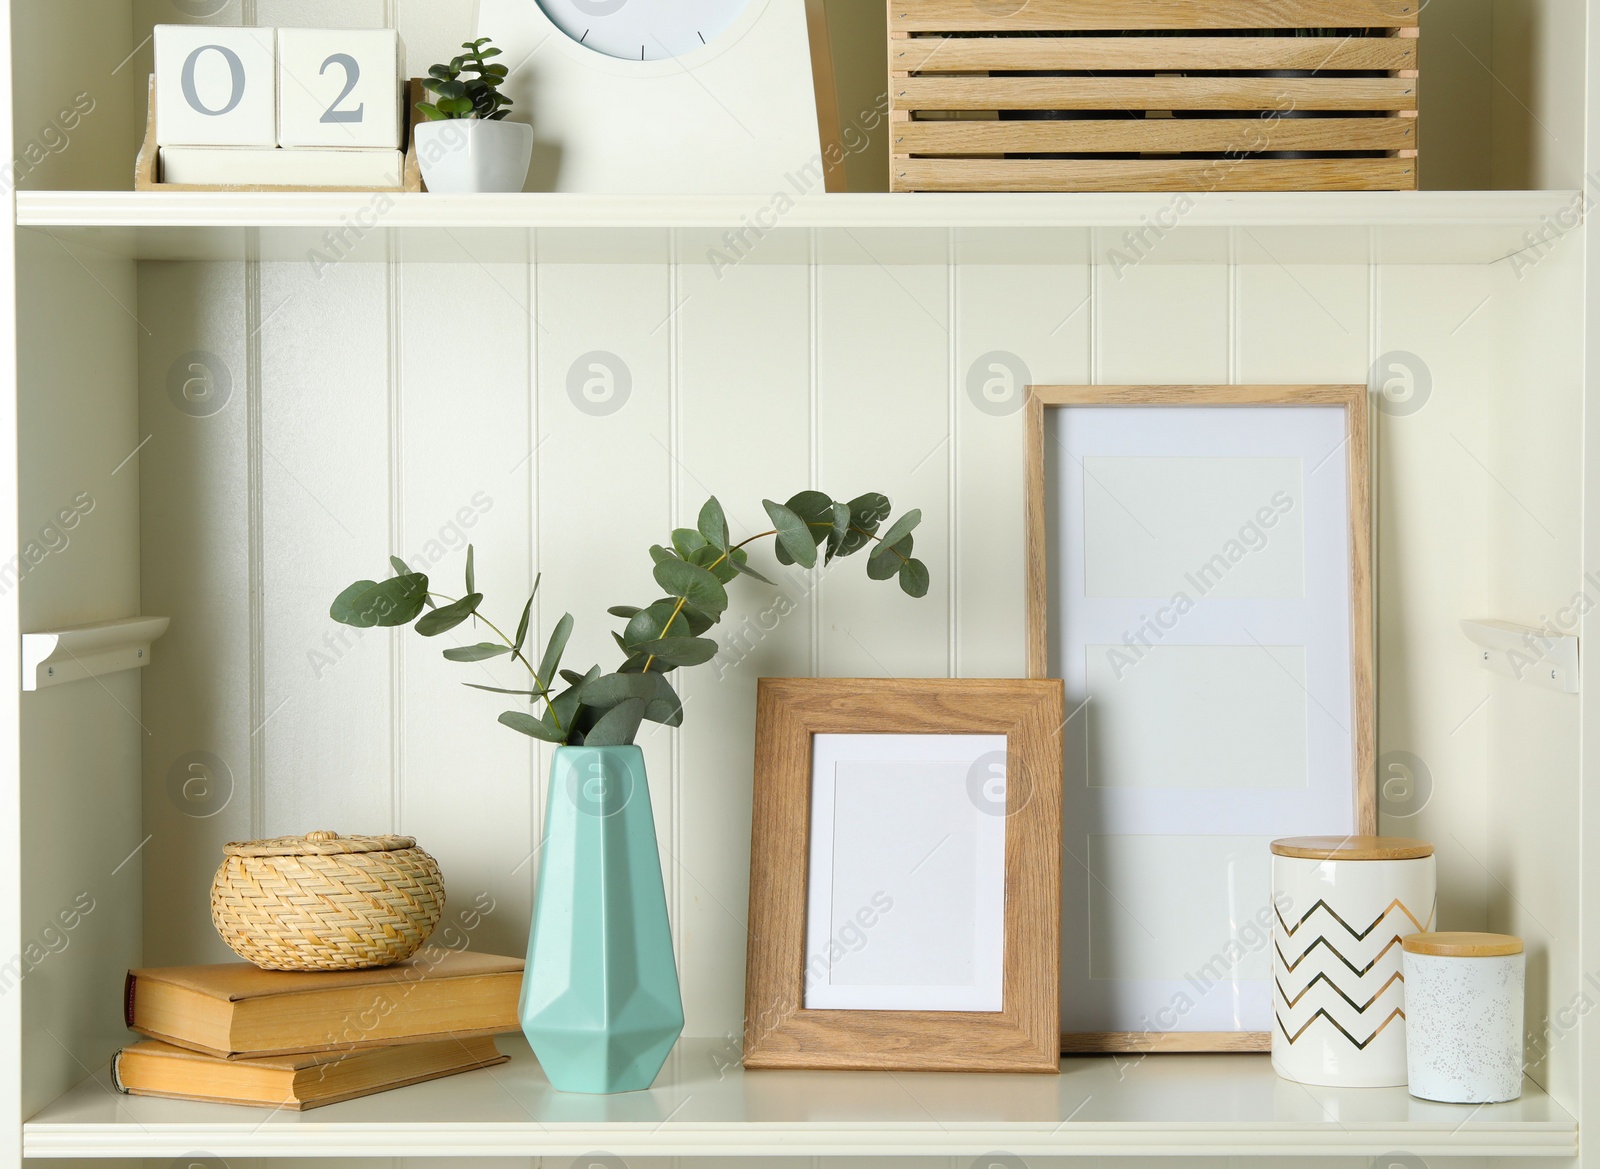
x=600 y=999
x=464 y=143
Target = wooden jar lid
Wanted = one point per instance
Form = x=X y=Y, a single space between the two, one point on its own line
x=1352 y=848
x=1463 y=945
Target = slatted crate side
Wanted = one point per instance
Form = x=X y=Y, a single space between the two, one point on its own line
x=977 y=54
x=946 y=99
x=1201 y=174
x=1004 y=16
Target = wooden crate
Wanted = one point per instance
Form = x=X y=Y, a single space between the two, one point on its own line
x=1153 y=95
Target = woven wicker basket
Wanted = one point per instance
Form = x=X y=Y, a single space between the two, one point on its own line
x=326 y=902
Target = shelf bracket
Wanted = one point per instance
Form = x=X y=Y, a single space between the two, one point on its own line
x=57 y=656
x=1530 y=655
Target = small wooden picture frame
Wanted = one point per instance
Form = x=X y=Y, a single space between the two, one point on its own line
x=940 y=814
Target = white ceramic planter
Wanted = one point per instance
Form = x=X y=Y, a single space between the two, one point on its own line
x=1338 y=993
x=464 y=156
x=1464 y=1017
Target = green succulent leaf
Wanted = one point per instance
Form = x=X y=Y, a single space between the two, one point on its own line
x=445 y=619
x=553 y=651
x=498 y=690
x=626 y=612
x=661 y=555
x=481 y=652
x=472 y=579
x=694 y=584
x=914 y=578
x=618 y=726
x=681 y=651
x=713 y=525
x=794 y=537
x=572 y=677
x=530 y=726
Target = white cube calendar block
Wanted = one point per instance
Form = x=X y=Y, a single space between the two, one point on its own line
x=339 y=87
x=216 y=86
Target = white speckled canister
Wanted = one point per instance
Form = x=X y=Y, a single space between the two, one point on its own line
x=1464 y=1017
x=1338 y=995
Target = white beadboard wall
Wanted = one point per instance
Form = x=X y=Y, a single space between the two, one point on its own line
x=411 y=408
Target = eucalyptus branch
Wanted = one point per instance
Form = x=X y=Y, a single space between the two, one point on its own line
x=601 y=709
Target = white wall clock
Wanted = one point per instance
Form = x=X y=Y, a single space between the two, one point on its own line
x=664 y=96
x=633 y=31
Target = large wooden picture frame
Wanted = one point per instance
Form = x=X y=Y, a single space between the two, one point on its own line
x=1022 y=1035
x=1066 y=484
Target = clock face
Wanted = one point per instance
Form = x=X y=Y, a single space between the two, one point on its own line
x=643 y=30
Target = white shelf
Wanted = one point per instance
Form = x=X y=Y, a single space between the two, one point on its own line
x=1425 y=227
x=58 y=656
x=704 y=1104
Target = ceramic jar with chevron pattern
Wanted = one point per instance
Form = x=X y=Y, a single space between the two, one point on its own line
x=1338 y=996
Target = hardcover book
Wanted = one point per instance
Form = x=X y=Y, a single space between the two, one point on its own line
x=235 y=1010
x=295 y=1082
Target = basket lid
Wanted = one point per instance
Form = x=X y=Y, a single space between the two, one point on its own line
x=1462 y=945
x=317 y=844
x=1352 y=848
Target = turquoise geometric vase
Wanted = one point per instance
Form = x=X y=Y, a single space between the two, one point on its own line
x=600 y=1001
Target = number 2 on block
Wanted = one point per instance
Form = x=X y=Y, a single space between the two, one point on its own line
x=352 y=75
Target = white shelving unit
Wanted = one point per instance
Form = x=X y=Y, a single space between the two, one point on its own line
x=56 y=657
x=421 y=393
x=703 y=1106
x=1418 y=227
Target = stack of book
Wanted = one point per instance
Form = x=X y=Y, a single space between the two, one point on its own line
x=235 y=1034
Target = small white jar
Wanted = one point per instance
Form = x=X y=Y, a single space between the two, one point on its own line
x=1464 y=1017
x=1338 y=997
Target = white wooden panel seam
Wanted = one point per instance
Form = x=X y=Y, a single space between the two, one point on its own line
x=814 y=438
x=395 y=291
x=953 y=457
x=257 y=535
x=676 y=514
x=1375 y=455
x=537 y=753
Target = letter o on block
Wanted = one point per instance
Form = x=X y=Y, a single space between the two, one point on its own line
x=216 y=86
